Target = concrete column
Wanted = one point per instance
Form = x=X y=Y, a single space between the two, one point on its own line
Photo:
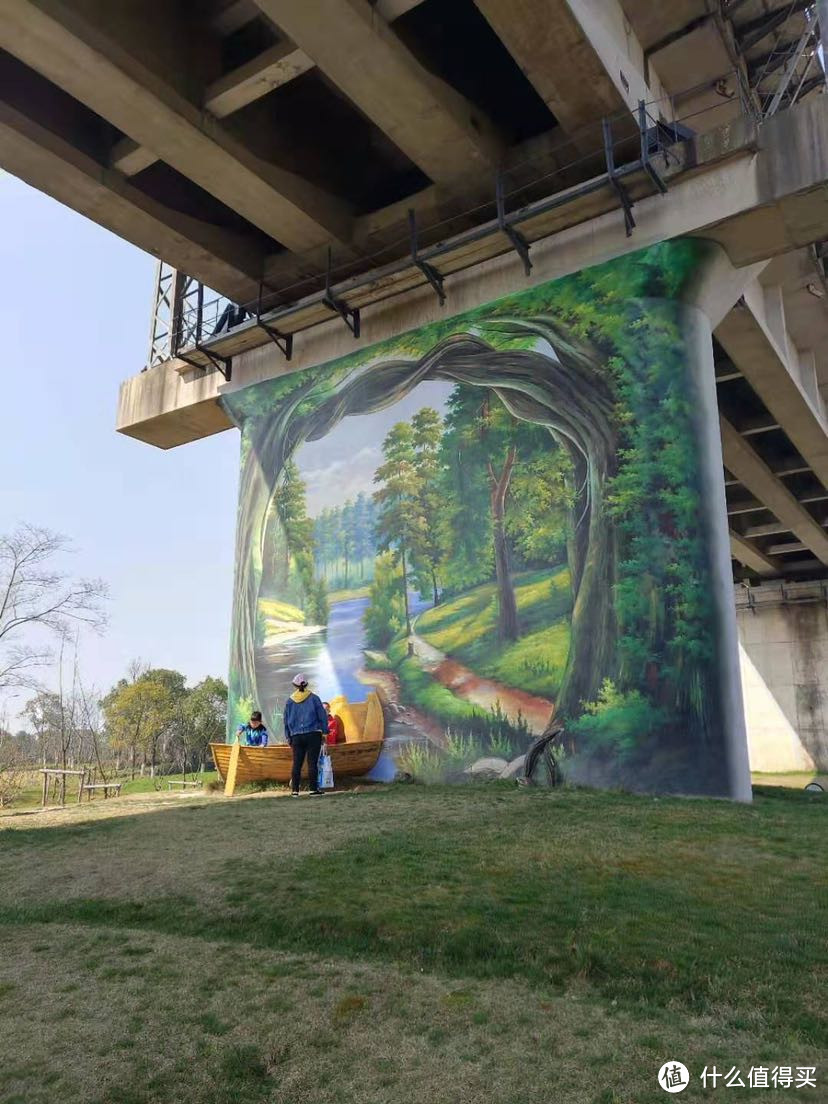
x=717 y=287
x=783 y=631
x=808 y=376
x=775 y=318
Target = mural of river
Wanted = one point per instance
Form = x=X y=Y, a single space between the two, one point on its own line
x=332 y=660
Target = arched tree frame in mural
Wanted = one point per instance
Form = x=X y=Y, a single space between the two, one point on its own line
x=603 y=361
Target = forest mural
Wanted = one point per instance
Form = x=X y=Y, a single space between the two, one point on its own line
x=496 y=522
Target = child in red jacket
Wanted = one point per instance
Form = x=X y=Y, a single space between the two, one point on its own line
x=335 y=728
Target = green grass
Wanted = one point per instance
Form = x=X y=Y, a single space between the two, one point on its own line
x=356 y=949
x=275 y=610
x=335 y=596
x=30 y=796
x=419 y=688
x=466 y=628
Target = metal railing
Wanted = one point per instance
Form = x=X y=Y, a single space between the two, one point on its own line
x=616 y=147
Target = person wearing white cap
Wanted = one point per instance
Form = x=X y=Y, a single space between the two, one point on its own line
x=305 y=722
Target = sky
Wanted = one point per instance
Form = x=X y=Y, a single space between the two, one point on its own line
x=333 y=472
x=158 y=527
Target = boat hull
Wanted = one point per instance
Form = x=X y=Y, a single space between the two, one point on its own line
x=273 y=763
x=363 y=724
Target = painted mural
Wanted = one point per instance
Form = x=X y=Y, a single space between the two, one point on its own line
x=494 y=522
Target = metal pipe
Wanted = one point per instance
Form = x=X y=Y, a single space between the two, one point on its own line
x=801 y=47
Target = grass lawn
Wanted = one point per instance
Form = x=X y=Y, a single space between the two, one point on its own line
x=280 y=613
x=30 y=796
x=466 y=629
x=335 y=596
x=410 y=944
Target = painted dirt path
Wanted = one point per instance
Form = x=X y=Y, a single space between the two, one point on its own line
x=481 y=691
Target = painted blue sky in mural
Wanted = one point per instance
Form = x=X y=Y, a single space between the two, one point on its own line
x=334 y=471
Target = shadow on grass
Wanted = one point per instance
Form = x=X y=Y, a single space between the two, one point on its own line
x=654 y=903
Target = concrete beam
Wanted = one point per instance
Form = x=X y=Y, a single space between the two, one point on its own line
x=755 y=475
x=439 y=130
x=748 y=341
x=80 y=58
x=780 y=196
x=221 y=259
x=575 y=53
x=787 y=547
x=717 y=179
x=749 y=554
x=276 y=66
x=230 y=16
x=157 y=389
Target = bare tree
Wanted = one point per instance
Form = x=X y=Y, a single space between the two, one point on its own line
x=36 y=597
x=12 y=766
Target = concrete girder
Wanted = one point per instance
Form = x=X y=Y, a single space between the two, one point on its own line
x=436 y=127
x=77 y=56
x=219 y=258
x=574 y=62
x=755 y=475
x=274 y=67
x=747 y=340
x=748 y=553
x=786 y=547
x=714 y=193
x=233 y=14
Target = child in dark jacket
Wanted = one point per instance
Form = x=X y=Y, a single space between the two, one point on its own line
x=254 y=734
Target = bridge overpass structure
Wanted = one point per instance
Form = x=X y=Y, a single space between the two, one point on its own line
x=315 y=176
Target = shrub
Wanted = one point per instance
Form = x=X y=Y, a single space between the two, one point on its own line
x=385 y=616
x=618 y=721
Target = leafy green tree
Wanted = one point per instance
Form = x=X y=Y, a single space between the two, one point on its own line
x=485 y=438
x=203 y=719
x=349 y=543
x=428 y=551
x=364 y=530
x=299 y=544
x=541 y=499
x=386 y=614
x=142 y=713
x=399 y=523
x=466 y=527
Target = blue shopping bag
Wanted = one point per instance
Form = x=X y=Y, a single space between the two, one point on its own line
x=325 y=779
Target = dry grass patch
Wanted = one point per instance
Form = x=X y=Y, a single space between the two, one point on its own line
x=410 y=944
x=106 y=1017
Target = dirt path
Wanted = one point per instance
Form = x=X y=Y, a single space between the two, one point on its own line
x=482 y=691
x=408 y=717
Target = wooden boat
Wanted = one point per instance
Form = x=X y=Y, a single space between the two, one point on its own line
x=364 y=727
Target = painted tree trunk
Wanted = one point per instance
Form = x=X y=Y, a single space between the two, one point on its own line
x=507 y=606
x=405 y=601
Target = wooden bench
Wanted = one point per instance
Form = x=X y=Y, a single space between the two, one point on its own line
x=112 y=789
x=175 y=782
x=58 y=776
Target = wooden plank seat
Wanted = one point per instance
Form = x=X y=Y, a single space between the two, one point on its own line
x=178 y=782
x=112 y=789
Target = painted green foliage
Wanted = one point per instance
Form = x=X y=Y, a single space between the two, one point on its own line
x=568 y=437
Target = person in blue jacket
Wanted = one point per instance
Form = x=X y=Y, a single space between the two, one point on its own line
x=305 y=723
x=254 y=733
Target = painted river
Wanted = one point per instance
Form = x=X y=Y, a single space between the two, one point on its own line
x=331 y=659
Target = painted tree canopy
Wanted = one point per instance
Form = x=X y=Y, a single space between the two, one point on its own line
x=569 y=437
